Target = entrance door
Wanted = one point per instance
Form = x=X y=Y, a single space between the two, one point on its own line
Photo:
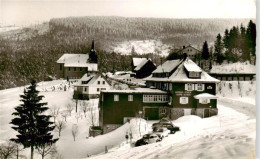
x=187 y=111
x=152 y=113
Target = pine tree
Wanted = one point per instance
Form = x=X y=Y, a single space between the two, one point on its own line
x=251 y=37
x=33 y=127
x=205 y=51
x=218 y=52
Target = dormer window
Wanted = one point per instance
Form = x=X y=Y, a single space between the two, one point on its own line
x=194 y=74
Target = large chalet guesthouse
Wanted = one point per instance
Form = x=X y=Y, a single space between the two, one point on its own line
x=176 y=88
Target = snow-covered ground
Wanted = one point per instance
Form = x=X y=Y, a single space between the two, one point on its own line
x=238 y=67
x=143 y=47
x=231 y=134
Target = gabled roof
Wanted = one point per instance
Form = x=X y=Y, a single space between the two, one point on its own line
x=167 y=66
x=187 y=47
x=137 y=61
x=138 y=67
x=77 y=60
x=191 y=66
x=90 y=79
x=180 y=75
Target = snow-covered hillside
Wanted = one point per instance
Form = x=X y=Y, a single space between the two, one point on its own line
x=238 y=67
x=143 y=47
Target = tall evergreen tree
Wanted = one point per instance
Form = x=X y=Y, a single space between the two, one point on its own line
x=205 y=51
x=218 y=51
x=243 y=47
x=33 y=127
x=251 y=37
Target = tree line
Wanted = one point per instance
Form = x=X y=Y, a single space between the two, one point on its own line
x=237 y=44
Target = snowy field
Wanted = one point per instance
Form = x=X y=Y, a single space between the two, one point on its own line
x=143 y=47
x=231 y=134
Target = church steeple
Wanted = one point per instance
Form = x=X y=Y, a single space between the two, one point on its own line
x=92 y=55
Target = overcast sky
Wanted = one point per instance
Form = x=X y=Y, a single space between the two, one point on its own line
x=24 y=12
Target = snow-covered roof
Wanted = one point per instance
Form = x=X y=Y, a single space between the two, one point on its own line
x=137 y=61
x=191 y=66
x=167 y=66
x=90 y=79
x=141 y=64
x=234 y=68
x=205 y=95
x=77 y=60
x=136 y=90
x=179 y=75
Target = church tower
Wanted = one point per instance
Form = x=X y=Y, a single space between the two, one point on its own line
x=92 y=55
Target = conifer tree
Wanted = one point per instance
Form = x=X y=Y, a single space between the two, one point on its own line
x=251 y=37
x=205 y=51
x=218 y=52
x=33 y=127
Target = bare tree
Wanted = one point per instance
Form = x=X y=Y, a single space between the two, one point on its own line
x=77 y=116
x=54 y=112
x=84 y=106
x=64 y=114
x=46 y=149
x=69 y=108
x=92 y=116
x=75 y=131
x=7 y=150
x=60 y=125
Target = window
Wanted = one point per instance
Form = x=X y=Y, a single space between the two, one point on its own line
x=60 y=66
x=69 y=68
x=116 y=97
x=104 y=82
x=184 y=100
x=194 y=74
x=97 y=89
x=204 y=101
x=170 y=86
x=130 y=97
x=98 y=82
x=75 y=68
x=103 y=89
x=155 y=98
x=189 y=87
x=162 y=111
x=200 y=87
x=80 y=69
x=85 y=89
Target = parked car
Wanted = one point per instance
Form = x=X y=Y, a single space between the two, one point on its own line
x=148 y=139
x=164 y=122
x=162 y=132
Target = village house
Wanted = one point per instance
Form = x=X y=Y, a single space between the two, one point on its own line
x=176 y=88
x=90 y=86
x=118 y=106
x=74 y=66
x=142 y=67
x=190 y=51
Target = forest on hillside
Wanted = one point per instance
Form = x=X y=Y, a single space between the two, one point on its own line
x=31 y=53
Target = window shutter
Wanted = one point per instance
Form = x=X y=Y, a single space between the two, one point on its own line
x=203 y=87
x=192 y=86
x=186 y=87
x=196 y=86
